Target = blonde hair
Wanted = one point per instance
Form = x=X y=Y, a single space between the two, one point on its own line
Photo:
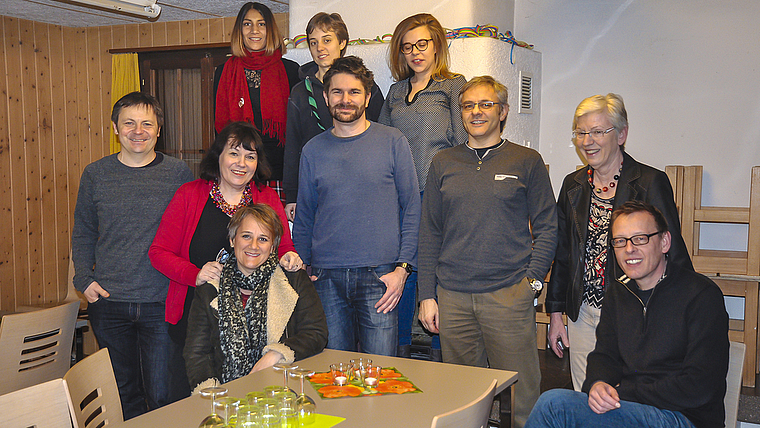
x=611 y=105
x=396 y=61
x=274 y=37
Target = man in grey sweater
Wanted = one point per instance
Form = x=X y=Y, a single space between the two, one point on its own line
x=487 y=239
x=120 y=203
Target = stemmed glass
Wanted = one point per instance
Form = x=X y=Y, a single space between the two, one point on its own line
x=306 y=406
x=285 y=369
x=213 y=420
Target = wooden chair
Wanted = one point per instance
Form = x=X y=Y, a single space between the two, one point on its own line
x=45 y=405
x=472 y=415
x=736 y=272
x=733 y=382
x=36 y=346
x=93 y=391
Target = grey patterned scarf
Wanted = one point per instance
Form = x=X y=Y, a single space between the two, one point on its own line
x=243 y=331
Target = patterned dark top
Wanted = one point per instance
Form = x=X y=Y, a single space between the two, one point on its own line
x=596 y=250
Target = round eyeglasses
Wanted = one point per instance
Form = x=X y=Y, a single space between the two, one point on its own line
x=635 y=240
x=596 y=134
x=422 y=45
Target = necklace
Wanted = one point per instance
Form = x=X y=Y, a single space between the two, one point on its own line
x=216 y=196
x=612 y=184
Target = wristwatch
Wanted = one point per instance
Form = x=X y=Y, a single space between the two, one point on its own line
x=536 y=285
x=406 y=267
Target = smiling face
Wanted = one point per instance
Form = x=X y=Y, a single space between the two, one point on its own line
x=420 y=62
x=346 y=98
x=252 y=245
x=325 y=47
x=643 y=263
x=254 y=31
x=138 y=130
x=483 y=126
x=606 y=152
x=236 y=166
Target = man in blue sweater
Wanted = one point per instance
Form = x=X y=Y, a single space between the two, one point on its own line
x=357 y=215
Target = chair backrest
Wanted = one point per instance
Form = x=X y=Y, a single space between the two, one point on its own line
x=41 y=406
x=36 y=346
x=472 y=415
x=733 y=382
x=93 y=391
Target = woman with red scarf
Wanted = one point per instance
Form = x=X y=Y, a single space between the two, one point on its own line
x=254 y=84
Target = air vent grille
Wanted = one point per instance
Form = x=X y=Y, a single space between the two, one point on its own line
x=526 y=93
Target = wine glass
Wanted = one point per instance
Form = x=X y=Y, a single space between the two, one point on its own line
x=230 y=407
x=249 y=416
x=270 y=413
x=285 y=368
x=307 y=408
x=213 y=420
x=286 y=402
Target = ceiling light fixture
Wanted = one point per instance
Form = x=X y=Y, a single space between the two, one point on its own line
x=146 y=8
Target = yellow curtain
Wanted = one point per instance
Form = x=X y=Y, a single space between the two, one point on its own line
x=125 y=78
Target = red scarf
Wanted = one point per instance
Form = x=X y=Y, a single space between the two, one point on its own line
x=233 y=100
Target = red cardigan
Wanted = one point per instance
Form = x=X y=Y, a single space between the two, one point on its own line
x=170 y=251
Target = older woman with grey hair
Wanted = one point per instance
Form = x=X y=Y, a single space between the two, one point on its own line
x=258 y=314
x=584 y=265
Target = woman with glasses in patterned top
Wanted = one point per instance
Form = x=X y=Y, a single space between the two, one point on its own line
x=584 y=264
x=424 y=105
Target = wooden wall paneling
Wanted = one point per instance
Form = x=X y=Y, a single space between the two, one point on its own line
x=131 y=35
x=73 y=142
x=95 y=93
x=283 y=23
x=145 y=35
x=229 y=23
x=159 y=34
x=187 y=32
x=119 y=34
x=106 y=41
x=59 y=145
x=173 y=36
x=34 y=288
x=48 y=249
x=216 y=31
x=201 y=31
x=7 y=254
x=82 y=96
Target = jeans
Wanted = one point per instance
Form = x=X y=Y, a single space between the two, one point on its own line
x=582 y=335
x=348 y=298
x=567 y=408
x=406 y=307
x=137 y=339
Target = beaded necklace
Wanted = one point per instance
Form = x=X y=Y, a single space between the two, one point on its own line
x=615 y=178
x=216 y=196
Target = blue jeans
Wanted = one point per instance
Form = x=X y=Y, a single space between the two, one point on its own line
x=348 y=298
x=406 y=307
x=137 y=338
x=567 y=408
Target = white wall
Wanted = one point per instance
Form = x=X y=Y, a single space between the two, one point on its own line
x=370 y=18
x=689 y=73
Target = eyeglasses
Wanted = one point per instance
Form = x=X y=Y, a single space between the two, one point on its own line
x=483 y=105
x=422 y=45
x=635 y=240
x=595 y=134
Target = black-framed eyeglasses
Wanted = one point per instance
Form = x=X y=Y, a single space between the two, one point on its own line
x=595 y=134
x=636 y=240
x=483 y=105
x=422 y=45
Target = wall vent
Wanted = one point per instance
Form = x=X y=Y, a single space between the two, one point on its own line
x=526 y=93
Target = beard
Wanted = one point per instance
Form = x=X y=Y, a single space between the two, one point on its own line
x=345 y=117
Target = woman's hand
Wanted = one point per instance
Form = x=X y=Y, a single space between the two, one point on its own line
x=291 y=261
x=268 y=360
x=557 y=332
x=290 y=211
x=211 y=271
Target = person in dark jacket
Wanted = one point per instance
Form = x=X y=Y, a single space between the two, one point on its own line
x=583 y=265
x=308 y=115
x=257 y=315
x=661 y=354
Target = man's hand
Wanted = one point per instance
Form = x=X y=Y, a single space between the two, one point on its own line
x=428 y=315
x=394 y=287
x=94 y=291
x=290 y=211
x=291 y=261
x=268 y=360
x=210 y=272
x=602 y=398
x=557 y=332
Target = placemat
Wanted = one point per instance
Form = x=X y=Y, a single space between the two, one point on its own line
x=391 y=381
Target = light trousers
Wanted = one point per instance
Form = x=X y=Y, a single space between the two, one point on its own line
x=582 y=335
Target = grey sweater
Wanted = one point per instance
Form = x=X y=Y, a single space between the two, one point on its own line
x=116 y=217
x=477 y=216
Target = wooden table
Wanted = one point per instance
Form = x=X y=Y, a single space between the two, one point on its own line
x=445 y=387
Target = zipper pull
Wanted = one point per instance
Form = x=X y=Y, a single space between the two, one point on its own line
x=645 y=311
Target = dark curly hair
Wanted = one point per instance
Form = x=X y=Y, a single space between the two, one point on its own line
x=237 y=134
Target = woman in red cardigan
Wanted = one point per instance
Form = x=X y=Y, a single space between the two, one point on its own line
x=193 y=229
